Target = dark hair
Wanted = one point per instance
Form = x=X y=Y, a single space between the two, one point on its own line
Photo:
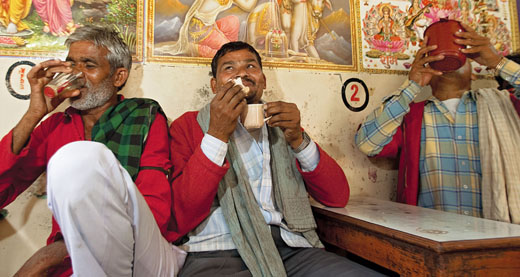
x=118 y=53
x=232 y=47
x=502 y=84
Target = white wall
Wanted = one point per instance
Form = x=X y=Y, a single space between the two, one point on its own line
x=180 y=88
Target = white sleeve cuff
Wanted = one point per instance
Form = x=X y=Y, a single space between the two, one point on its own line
x=214 y=149
x=309 y=157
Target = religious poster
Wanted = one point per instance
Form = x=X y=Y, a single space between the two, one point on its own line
x=393 y=31
x=293 y=34
x=40 y=27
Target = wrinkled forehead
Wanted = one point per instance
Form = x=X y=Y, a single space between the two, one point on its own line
x=87 y=49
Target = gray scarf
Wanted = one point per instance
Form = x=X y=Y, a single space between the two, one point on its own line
x=248 y=228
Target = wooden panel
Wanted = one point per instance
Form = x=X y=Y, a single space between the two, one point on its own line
x=410 y=255
x=502 y=262
x=386 y=252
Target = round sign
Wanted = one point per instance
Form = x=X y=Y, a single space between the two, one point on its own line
x=355 y=94
x=16 y=79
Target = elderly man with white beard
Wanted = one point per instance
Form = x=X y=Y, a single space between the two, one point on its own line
x=107 y=162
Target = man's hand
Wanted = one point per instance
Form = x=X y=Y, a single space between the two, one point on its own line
x=39 y=105
x=479 y=48
x=421 y=72
x=287 y=117
x=48 y=256
x=226 y=106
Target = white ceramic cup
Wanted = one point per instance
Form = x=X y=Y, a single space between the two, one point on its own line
x=254 y=117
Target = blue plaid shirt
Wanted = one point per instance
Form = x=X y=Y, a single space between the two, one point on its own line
x=449 y=162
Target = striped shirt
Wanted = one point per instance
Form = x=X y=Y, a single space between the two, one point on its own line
x=449 y=161
x=213 y=233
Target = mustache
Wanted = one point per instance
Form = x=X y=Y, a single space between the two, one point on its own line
x=248 y=80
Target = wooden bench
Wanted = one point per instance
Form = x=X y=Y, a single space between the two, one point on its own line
x=415 y=241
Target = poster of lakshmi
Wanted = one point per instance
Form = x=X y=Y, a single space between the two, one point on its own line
x=40 y=27
x=286 y=33
x=392 y=31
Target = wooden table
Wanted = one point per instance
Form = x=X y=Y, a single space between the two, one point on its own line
x=414 y=241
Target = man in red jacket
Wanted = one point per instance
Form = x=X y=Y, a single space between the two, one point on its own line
x=245 y=190
x=446 y=159
x=107 y=161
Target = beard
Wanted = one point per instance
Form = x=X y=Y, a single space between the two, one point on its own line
x=95 y=96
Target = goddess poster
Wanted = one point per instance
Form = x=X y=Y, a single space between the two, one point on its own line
x=306 y=34
x=392 y=31
x=40 y=27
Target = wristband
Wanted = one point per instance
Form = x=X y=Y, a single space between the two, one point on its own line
x=500 y=65
x=306 y=141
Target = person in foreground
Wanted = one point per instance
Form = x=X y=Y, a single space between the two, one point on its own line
x=246 y=190
x=457 y=149
x=107 y=161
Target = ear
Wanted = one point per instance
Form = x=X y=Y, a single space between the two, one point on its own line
x=265 y=81
x=120 y=76
x=213 y=83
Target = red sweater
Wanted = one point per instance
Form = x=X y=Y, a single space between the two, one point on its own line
x=196 y=178
x=18 y=172
x=406 y=143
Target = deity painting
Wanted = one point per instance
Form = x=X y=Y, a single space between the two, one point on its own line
x=288 y=33
x=384 y=33
x=392 y=32
x=40 y=27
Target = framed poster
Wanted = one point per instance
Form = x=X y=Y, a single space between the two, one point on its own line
x=392 y=31
x=40 y=27
x=315 y=34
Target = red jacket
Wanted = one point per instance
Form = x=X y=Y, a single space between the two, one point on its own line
x=406 y=143
x=18 y=172
x=196 y=178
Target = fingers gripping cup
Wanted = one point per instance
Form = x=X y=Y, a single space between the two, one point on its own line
x=63 y=82
x=442 y=34
x=254 y=118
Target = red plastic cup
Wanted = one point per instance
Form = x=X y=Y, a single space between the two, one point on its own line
x=442 y=34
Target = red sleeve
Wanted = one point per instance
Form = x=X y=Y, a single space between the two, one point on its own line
x=195 y=178
x=18 y=172
x=391 y=150
x=8 y=173
x=327 y=182
x=152 y=180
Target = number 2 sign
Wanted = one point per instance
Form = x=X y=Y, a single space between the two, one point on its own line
x=355 y=94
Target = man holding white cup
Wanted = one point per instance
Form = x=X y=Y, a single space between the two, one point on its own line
x=246 y=191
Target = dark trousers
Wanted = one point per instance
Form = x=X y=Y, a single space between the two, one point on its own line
x=297 y=262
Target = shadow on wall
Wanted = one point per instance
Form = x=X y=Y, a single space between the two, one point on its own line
x=132 y=87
